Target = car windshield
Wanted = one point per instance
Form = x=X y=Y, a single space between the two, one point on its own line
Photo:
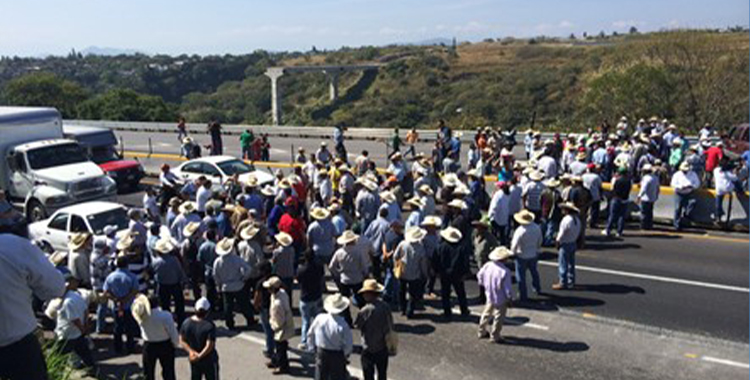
x=117 y=217
x=104 y=154
x=233 y=167
x=56 y=155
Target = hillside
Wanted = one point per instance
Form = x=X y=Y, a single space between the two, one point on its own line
x=691 y=77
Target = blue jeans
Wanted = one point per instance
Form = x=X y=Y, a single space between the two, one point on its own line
x=391 y=284
x=719 y=204
x=617 y=210
x=684 y=204
x=309 y=310
x=550 y=231
x=566 y=264
x=102 y=311
x=265 y=322
x=501 y=233
x=647 y=215
x=522 y=265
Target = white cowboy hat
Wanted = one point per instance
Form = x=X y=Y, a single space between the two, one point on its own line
x=125 y=242
x=450 y=179
x=251 y=181
x=284 y=239
x=684 y=166
x=524 y=217
x=396 y=156
x=187 y=207
x=320 y=213
x=78 y=240
x=451 y=234
x=414 y=234
x=273 y=282
x=416 y=202
x=336 y=303
x=164 y=246
x=458 y=203
x=431 y=221
x=141 y=308
x=536 y=175
x=461 y=189
x=190 y=229
x=426 y=189
x=187 y=140
x=388 y=197
x=500 y=253
x=335 y=206
x=552 y=182
x=249 y=232
x=570 y=206
x=371 y=285
x=347 y=237
x=267 y=191
x=284 y=184
x=225 y=246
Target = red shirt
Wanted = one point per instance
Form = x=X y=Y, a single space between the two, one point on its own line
x=714 y=154
x=294 y=227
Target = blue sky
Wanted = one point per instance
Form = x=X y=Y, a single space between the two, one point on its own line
x=33 y=27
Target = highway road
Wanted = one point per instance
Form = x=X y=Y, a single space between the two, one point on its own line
x=657 y=305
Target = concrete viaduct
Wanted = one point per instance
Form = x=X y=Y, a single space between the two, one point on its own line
x=332 y=71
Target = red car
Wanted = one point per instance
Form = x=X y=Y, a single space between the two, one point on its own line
x=101 y=145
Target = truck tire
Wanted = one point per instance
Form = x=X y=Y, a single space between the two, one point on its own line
x=35 y=211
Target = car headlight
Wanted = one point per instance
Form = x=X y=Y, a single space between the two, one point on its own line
x=56 y=200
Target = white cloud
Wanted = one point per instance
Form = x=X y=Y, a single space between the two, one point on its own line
x=674 y=24
x=622 y=24
x=565 y=24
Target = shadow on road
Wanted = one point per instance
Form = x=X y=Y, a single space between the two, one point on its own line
x=610 y=288
x=571 y=301
x=417 y=329
x=546 y=344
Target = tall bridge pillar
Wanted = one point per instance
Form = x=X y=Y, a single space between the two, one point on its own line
x=275 y=74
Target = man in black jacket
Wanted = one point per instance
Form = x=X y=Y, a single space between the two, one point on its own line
x=453 y=266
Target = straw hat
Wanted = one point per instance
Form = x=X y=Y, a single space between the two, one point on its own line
x=482 y=222
x=284 y=183
x=225 y=246
x=426 y=189
x=570 y=206
x=347 y=237
x=450 y=179
x=187 y=140
x=461 y=189
x=323 y=143
x=78 y=240
x=249 y=232
x=414 y=234
x=251 y=181
x=164 y=246
x=552 y=182
x=576 y=178
x=684 y=166
x=647 y=168
x=190 y=229
x=476 y=173
x=141 y=308
x=458 y=203
x=320 y=213
x=273 y=282
x=431 y=221
x=187 y=207
x=500 y=253
x=368 y=184
x=371 y=285
x=336 y=303
x=416 y=202
x=267 y=191
x=284 y=239
x=536 y=175
x=125 y=242
x=621 y=161
x=581 y=156
x=451 y=234
x=396 y=156
x=388 y=197
x=524 y=217
x=335 y=206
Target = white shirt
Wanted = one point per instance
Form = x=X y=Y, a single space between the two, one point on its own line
x=526 y=241
x=159 y=327
x=149 y=203
x=326 y=190
x=685 y=182
x=570 y=229
x=330 y=332
x=73 y=307
x=202 y=197
x=593 y=183
x=515 y=202
x=724 y=181
x=548 y=165
x=649 y=191
x=499 y=211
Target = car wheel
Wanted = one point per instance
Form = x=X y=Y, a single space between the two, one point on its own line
x=35 y=211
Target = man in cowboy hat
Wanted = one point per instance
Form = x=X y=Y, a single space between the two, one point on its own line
x=330 y=337
x=189 y=252
x=415 y=217
x=321 y=234
x=376 y=322
x=350 y=265
x=282 y=258
x=206 y=257
x=410 y=252
x=376 y=233
x=78 y=258
x=685 y=183
x=532 y=193
x=323 y=155
x=198 y=338
x=648 y=194
x=494 y=276
x=618 y=202
x=282 y=323
x=567 y=242
x=160 y=337
x=527 y=240
x=453 y=265
x=72 y=322
x=428 y=199
x=391 y=203
x=430 y=243
x=170 y=278
x=187 y=215
x=121 y=286
x=230 y=273
x=498 y=212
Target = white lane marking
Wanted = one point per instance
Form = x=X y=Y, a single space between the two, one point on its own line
x=354 y=371
x=508 y=321
x=725 y=362
x=656 y=278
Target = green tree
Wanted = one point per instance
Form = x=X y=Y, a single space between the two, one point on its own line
x=127 y=105
x=45 y=90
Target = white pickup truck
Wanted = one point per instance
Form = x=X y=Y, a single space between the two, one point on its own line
x=42 y=171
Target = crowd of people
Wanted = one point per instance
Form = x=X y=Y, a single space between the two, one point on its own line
x=382 y=237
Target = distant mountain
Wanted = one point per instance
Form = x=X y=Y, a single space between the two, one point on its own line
x=108 y=51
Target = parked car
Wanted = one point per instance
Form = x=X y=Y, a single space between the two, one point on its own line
x=737 y=140
x=100 y=145
x=89 y=217
x=218 y=169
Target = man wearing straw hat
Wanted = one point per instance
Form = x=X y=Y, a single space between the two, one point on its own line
x=121 y=286
x=79 y=262
x=412 y=257
x=160 y=337
x=282 y=259
x=198 y=338
x=282 y=323
x=567 y=242
x=498 y=212
x=330 y=337
x=453 y=266
x=494 y=276
x=415 y=217
x=72 y=322
x=376 y=322
x=350 y=265
x=230 y=273
x=367 y=203
x=532 y=193
x=321 y=234
x=170 y=278
x=187 y=215
x=685 y=183
x=619 y=202
x=527 y=240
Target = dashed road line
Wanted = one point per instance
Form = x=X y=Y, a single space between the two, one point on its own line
x=655 y=278
x=731 y=363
